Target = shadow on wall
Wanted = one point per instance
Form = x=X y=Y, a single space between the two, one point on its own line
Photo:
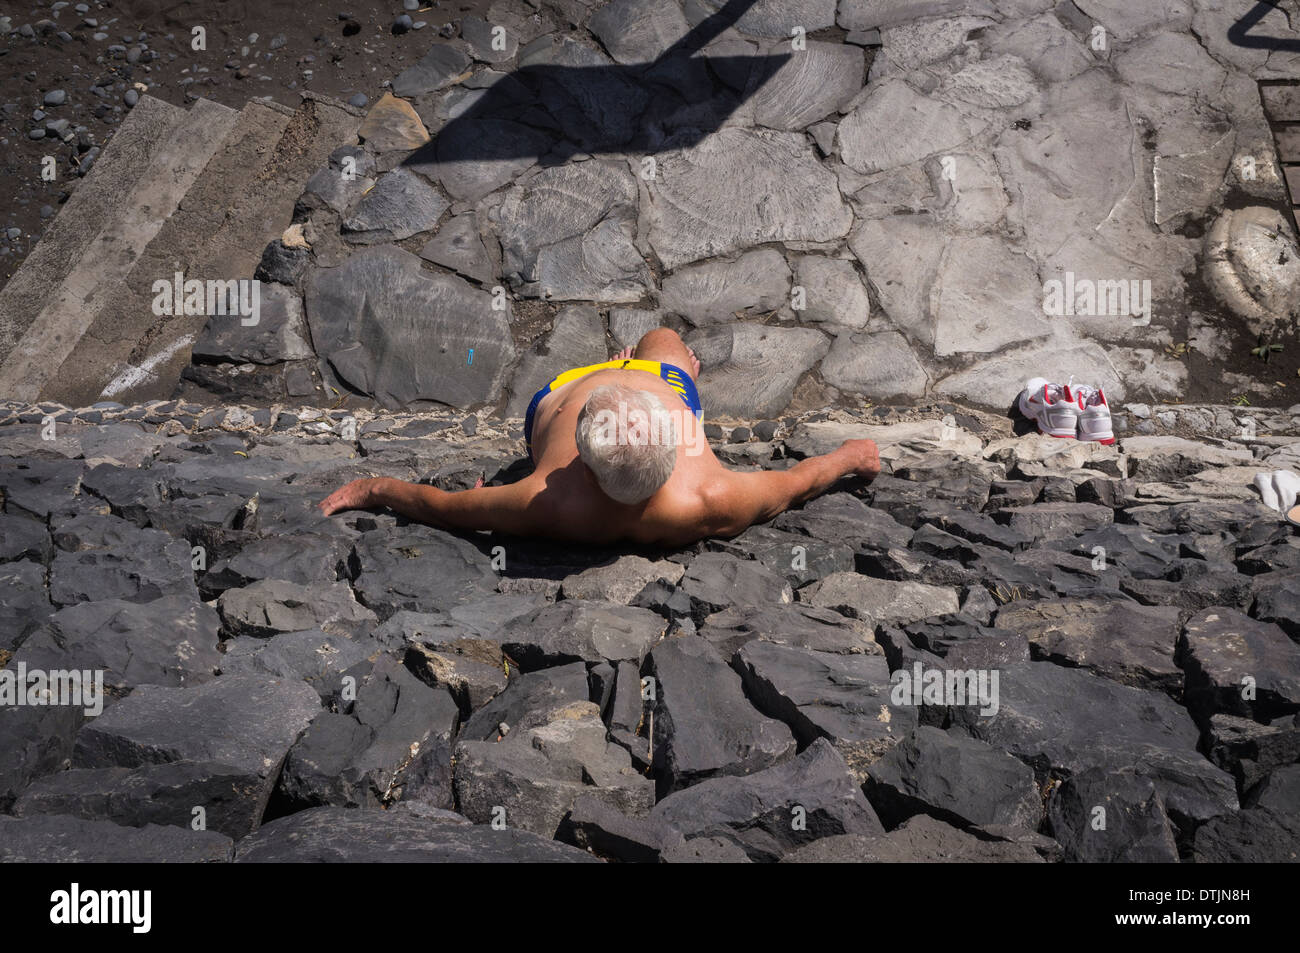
x=1239 y=34
x=549 y=112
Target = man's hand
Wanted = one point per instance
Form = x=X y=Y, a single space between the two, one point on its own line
x=357 y=495
x=862 y=457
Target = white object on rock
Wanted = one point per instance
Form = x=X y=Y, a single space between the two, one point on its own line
x=1278 y=489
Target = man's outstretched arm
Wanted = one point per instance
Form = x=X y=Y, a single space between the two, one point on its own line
x=758 y=496
x=500 y=508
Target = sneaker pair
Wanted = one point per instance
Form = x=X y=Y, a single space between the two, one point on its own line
x=1062 y=410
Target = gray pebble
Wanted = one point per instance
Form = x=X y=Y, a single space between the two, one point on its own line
x=14 y=234
x=401 y=25
x=37 y=115
x=359 y=100
x=410 y=4
x=419 y=24
x=56 y=97
x=278 y=41
x=47 y=211
x=131 y=98
x=37 y=133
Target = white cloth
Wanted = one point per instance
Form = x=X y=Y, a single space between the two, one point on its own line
x=1278 y=489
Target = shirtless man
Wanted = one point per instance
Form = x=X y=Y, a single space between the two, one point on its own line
x=602 y=476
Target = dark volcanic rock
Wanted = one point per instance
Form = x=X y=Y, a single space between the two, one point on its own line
x=339 y=835
x=774 y=811
x=393 y=330
x=1061 y=720
x=802 y=626
x=104 y=557
x=1215 y=516
x=581 y=630
x=246 y=721
x=843 y=518
x=1280 y=791
x=1277 y=600
x=420 y=569
x=23 y=538
x=1131 y=644
x=318 y=658
x=271 y=606
x=605 y=831
x=842 y=698
x=977 y=528
x=398 y=729
x=304 y=558
x=531 y=778
x=1238 y=666
x=170 y=641
x=954 y=778
x=715 y=581
x=961 y=641
x=24 y=604
x=879 y=601
x=1259 y=836
x=799 y=558
x=57 y=839
x=34 y=741
x=1193 y=584
x=703 y=724
x=1105 y=816
x=1250 y=750
x=152 y=794
x=1048 y=521
x=922 y=839
x=38 y=488
x=536 y=691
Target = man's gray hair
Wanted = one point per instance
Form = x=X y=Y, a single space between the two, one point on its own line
x=628 y=440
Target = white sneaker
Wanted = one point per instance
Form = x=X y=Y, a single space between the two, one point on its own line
x=1052 y=406
x=1094 y=422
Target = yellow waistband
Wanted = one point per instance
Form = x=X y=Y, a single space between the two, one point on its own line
x=630 y=364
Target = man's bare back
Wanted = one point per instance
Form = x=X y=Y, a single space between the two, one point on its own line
x=561 y=499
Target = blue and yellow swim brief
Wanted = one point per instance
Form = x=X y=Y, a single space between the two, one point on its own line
x=674 y=376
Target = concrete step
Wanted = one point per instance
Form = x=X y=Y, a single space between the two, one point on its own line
x=96 y=201
x=100 y=360
x=137 y=214
x=243 y=200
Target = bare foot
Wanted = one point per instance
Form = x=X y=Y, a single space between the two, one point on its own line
x=695 y=362
x=623 y=354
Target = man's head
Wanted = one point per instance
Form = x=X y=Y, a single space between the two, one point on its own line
x=628 y=440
